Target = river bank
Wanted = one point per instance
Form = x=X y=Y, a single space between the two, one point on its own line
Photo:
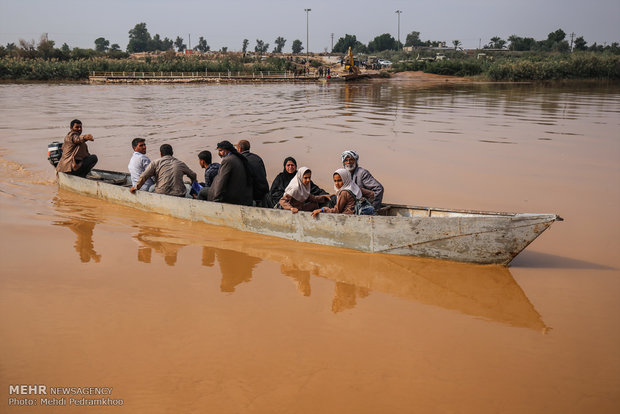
x=580 y=65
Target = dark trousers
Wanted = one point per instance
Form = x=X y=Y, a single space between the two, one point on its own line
x=204 y=194
x=87 y=164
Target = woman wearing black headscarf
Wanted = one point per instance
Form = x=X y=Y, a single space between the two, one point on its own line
x=284 y=178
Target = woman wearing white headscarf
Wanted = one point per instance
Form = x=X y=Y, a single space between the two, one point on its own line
x=297 y=194
x=284 y=178
x=347 y=193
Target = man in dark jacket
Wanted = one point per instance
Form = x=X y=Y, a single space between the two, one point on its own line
x=232 y=184
x=257 y=167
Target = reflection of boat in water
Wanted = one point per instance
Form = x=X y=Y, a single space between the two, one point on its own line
x=148 y=237
x=83 y=227
x=488 y=292
x=459 y=235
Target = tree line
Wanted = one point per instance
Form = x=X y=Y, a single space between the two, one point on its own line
x=140 y=40
x=45 y=49
x=556 y=42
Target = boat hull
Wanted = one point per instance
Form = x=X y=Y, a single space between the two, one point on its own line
x=474 y=237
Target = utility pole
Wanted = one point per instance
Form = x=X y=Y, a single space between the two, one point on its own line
x=572 y=35
x=332 y=50
x=480 y=43
x=189 y=42
x=398 y=12
x=307 y=41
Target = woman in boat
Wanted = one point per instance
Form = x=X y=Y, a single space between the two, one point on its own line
x=347 y=193
x=297 y=194
x=284 y=178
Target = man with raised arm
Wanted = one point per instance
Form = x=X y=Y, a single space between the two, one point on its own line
x=75 y=159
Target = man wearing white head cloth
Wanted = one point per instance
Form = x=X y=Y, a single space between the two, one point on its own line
x=362 y=177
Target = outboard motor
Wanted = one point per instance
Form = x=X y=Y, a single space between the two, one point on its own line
x=54 y=152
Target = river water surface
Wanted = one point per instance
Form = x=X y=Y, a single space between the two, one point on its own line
x=185 y=317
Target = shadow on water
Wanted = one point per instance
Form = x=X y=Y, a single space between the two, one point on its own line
x=537 y=260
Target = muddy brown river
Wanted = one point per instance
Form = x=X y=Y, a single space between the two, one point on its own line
x=101 y=303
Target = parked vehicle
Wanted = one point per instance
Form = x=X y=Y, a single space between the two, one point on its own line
x=438 y=56
x=371 y=63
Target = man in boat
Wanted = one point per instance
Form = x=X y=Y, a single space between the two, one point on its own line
x=233 y=183
x=362 y=177
x=138 y=163
x=75 y=159
x=211 y=170
x=168 y=173
x=260 y=186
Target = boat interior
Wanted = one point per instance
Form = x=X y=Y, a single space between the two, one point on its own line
x=395 y=210
x=415 y=211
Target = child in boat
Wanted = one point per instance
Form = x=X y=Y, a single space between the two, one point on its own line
x=347 y=192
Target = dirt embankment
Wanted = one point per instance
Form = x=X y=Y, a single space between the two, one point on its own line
x=419 y=76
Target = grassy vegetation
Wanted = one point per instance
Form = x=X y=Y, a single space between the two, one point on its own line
x=502 y=67
x=578 y=65
x=12 y=68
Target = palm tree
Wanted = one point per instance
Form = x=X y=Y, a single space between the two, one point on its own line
x=456 y=44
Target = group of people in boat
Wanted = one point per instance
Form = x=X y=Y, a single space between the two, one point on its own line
x=240 y=177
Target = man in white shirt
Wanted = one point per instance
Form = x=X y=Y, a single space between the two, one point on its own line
x=138 y=163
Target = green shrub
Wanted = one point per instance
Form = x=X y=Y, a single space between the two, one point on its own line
x=40 y=69
x=538 y=67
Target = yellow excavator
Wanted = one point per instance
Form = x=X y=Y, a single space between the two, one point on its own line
x=351 y=70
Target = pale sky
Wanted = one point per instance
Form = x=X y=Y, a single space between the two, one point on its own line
x=228 y=22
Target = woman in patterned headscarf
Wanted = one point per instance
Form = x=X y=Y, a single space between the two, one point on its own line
x=284 y=178
x=297 y=194
x=347 y=193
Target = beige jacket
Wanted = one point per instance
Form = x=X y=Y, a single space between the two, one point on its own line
x=168 y=173
x=74 y=150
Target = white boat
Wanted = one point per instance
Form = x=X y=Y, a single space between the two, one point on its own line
x=459 y=235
